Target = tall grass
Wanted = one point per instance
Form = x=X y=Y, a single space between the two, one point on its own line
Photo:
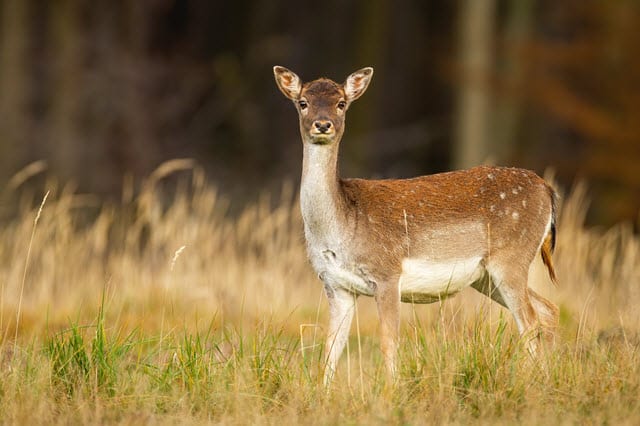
x=163 y=307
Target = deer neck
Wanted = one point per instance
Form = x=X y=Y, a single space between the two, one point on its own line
x=321 y=198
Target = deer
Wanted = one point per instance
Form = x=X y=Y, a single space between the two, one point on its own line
x=417 y=240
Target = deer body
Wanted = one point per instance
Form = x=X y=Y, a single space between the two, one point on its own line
x=414 y=240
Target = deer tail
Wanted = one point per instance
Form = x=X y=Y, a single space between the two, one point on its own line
x=549 y=243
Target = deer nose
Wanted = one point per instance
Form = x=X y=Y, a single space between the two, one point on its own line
x=323 y=126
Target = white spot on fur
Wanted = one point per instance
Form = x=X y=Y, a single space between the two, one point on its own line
x=515 y=215
x=492 y=208
x=503 y=195
x=490 y=176
x=514 y=191
x=524 y=203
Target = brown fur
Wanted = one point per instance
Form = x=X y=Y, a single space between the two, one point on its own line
x=437 y=202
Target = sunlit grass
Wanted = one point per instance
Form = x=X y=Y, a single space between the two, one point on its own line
x=165 y=308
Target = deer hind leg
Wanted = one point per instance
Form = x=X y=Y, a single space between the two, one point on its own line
x=341 y=309
x=547 y=315
x=533 y=314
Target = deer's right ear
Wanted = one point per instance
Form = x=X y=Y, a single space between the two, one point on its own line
x=288 y=82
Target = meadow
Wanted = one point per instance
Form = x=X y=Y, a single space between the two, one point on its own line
x=174 y=306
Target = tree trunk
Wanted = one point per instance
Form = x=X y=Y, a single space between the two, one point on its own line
x=474 y=101
x=65 y=148
x=14 y=44
x=371 y=45
x=508 y=111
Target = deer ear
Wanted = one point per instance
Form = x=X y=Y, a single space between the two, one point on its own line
x=288 y=82
x=357 y=83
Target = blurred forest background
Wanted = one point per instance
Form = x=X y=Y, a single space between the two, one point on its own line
x=105 y=89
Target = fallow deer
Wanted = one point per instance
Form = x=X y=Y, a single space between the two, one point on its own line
x=414 y=240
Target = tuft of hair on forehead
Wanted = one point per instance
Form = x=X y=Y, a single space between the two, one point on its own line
x=322 y=86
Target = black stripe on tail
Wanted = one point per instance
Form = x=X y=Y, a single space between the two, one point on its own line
x=554 y=210
x=549 y=242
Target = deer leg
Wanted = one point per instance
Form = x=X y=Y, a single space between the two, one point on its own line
x=341 y=308
x=487 y=287
x=388 y=302
x=513 y=293
x=547 y=314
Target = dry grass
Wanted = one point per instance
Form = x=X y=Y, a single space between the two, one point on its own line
x=164 y=308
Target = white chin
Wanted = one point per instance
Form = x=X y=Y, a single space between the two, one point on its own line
x=321 y=140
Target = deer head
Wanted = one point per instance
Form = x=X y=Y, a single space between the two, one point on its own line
x=322 y=103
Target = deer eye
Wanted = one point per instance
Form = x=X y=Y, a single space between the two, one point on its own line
x=342 y=105
x=303 y=104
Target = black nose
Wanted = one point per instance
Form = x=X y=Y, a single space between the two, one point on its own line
x=322 y=125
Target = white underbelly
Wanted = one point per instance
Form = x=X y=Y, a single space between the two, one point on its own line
x=421 y=281
x=426 y=281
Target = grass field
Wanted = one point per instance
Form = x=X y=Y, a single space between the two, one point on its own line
x=164 y=308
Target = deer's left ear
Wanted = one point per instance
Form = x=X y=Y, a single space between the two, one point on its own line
x=357 y=83
x=288 y=82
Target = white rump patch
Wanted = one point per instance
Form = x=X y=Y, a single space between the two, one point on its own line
x=438 y=279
